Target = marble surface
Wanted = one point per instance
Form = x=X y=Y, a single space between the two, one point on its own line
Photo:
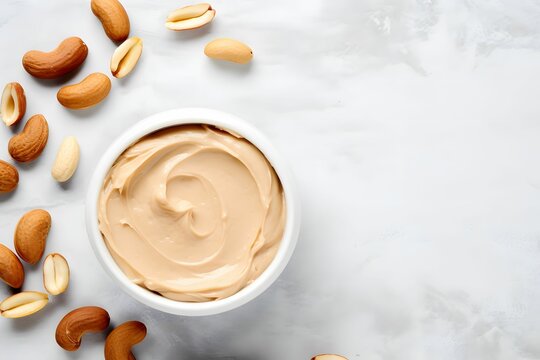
x=413 y=128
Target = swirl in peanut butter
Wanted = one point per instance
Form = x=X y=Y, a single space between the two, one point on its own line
x=192 y=212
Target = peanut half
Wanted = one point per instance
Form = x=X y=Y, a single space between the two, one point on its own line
x=113 y=17
x=120 y=341
x=229 y=50
x=11 y=269
x=55 y=274
x=31 y=235
x=190 y=17
x=68 y=56
x=9 y=177
x=13 y=104
x=89 y=92
x=23 y=304
x=29 y=144
x=67 y=160
x=126 y=56
x=78 y=322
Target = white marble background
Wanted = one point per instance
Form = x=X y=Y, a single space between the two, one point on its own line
x=413 y=127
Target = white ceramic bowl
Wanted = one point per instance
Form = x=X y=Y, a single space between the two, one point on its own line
x=194 y=116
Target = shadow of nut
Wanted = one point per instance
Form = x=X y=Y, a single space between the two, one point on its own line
x=78 y=322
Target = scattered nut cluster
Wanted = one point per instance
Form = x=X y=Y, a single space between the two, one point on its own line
x=33 y=227
x=29 y=241
x=68 y=56
x=94 y=319
x=196 y=16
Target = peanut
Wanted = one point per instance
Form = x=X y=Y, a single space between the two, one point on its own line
x=229 y=50
x=23 y=304
x=55 y=274
x=190 y=17
x=89 y=92
x=67 y=160
x=126 y=56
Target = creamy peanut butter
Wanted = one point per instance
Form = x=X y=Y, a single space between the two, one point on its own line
x=192 y=212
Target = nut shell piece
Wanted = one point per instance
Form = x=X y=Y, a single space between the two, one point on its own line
x=13 y=103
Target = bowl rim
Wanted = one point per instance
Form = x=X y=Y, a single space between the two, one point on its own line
x=219 y=119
